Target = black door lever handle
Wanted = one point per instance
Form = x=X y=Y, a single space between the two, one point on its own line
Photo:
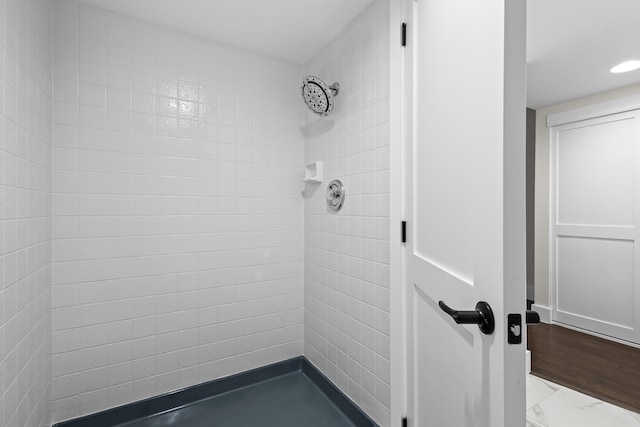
x=482 y=316
x=464 y=317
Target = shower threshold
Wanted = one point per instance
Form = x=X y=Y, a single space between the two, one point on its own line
x=292 y=393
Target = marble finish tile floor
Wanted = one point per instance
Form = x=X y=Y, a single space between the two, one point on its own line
x=552 y=405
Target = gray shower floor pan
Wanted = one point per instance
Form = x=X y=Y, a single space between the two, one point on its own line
x=287 y=394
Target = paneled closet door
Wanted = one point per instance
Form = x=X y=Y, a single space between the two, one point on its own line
x=595 y=214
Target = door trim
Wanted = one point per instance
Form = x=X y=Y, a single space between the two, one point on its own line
x=399 y=12
x=593 y=111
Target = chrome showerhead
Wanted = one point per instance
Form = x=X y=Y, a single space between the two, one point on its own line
x=318 y=96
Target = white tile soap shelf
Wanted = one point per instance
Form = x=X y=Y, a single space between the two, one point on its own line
x=313 y=172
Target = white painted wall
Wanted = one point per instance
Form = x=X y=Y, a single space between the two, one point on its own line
x=542 y=183
x=347 y=253
x=25 y=212
x=284 y=29
x=177 y=215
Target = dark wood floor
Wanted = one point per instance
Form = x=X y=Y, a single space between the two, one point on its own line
x=600 y=368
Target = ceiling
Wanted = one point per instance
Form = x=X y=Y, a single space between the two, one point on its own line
x=571 y=44
x=288 y=29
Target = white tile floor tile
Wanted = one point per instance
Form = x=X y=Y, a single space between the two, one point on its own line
x=552 y=405
x=538 y=390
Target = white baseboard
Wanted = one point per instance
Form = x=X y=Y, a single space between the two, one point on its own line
x=543 y=311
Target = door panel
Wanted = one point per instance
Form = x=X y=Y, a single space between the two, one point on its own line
x=595 y=164
x=594 y=256
x=596 y=279
x=436 y=328
x=465 y=206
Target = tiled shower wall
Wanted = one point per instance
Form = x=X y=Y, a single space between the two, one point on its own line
x=178 y=223
x=347 y=253
x=25 y=212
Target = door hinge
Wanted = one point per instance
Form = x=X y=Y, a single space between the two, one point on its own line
x=404 y=34
x=403 y=231
x=405 y=423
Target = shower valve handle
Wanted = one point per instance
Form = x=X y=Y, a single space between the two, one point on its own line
x=481 y=316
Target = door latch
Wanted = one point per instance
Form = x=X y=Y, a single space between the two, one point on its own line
x=514 y=328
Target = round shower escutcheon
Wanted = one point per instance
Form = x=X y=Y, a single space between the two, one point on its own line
x=335 y=195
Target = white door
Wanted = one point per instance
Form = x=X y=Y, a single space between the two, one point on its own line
x=465 y=182
x=594 y=233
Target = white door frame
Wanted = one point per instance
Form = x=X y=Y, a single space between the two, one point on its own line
x=397 y=15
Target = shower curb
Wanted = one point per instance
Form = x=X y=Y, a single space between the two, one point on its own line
x=176 y=399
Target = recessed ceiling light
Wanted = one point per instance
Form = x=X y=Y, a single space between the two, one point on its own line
x=626 y=66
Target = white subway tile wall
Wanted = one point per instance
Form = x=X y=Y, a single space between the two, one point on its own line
x=178 y=225
x=25 y=212
x=347 y=253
